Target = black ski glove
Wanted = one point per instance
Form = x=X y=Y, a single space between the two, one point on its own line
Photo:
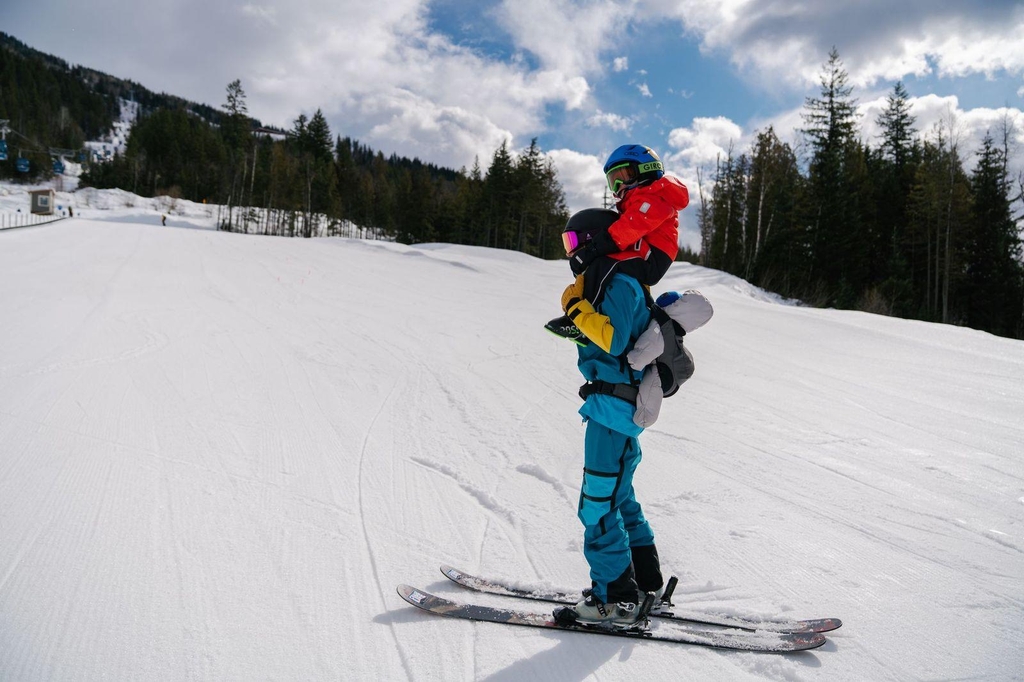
x=601 y=244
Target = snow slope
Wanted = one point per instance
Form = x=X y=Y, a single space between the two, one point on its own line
x=113 y=205
x=219 y=454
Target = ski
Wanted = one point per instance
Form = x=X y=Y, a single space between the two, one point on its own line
x=695 y=617
x=664 y=631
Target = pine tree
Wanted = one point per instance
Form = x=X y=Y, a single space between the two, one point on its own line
x=498 y=198
x=991 y=288
x=235 y=105
x=833 y=212
x=938 y=211
x=728 y=207
x=318 y=137
x=300 y=135
x=894 y=179
x=236 y=127
x=776 y=244
x=897 y=127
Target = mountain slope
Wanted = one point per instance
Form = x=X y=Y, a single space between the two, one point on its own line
x=220 y=453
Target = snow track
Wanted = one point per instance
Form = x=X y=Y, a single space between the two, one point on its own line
x=220 y=453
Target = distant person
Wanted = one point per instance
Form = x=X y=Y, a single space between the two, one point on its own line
x=641 y=243
x=71 y=212
x=163 y=220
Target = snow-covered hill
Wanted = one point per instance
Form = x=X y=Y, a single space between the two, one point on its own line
x=111 y=205
x=116 y=140
x=219 y=454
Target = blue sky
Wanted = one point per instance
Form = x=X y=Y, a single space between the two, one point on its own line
x=449 y=80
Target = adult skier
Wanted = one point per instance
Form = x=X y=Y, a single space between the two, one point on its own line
x=618 y=540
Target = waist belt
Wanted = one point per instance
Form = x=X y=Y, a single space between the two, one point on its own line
x=626 y=392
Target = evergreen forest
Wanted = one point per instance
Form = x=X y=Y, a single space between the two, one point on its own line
x=902 y=227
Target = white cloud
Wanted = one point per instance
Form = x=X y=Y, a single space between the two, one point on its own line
x=608 y=120
x=581 y=177
x=698 y=147
x=424 y=129
x=379 y=74
x=644 y=90
x=260 y=12
x=785 y=41
x=622 y=64
x=564 y=35
x=703 y=142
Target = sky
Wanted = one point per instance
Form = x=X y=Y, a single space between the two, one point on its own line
x=448 y=81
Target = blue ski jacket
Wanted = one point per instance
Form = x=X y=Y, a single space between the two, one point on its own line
x=626 y=309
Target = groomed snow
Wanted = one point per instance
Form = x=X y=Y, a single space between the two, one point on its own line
x=219 y=454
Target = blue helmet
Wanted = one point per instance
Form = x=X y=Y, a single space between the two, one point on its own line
x=630 y=166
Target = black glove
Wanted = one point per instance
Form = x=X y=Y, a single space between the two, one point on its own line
x=601 y=244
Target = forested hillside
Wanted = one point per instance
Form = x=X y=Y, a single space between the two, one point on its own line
x=50 y=104
x=293 y=186
x=902 y=228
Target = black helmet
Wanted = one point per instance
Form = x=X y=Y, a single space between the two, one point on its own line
x=581 y=228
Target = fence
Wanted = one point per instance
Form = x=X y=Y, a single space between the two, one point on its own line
x=14 y=220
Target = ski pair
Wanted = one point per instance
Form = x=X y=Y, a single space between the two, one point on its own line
x=689 y=627
x=665 y=631
x=696 y=617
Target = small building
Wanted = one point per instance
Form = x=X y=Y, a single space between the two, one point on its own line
x=43 y=201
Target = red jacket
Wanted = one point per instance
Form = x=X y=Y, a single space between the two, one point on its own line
x=651 y=213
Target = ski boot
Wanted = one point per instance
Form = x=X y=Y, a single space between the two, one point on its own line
x=590 y=612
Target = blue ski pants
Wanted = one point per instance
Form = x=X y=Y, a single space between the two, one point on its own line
x=612 y=517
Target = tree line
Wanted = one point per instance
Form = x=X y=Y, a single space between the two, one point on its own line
x=901 y=228
x=313 y=182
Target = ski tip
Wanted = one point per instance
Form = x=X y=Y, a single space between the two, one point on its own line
x=814 y=640
x=423 y=600
x=805 y=641
x=820 y=625
x=412 y=595
x=452 y=573
x=830 y=624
